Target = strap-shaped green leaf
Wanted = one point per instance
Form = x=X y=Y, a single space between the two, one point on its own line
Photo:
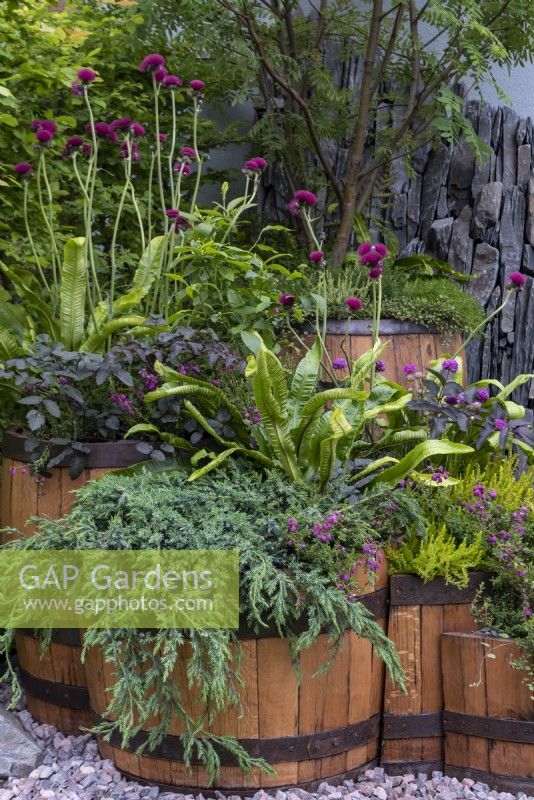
x=169 y=390
x=9 y=347
x=340 y=429
x=200 y=418
x=145 y=275
x=513 y=385
x=422 y=451
x=213 y=464
x=317 y=402
x=73 y=292
x=95 y=343
x=304 y=381
x=170 y=438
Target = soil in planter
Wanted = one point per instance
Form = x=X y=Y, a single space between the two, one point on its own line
x=489 y=713
x=412 y=738
x=326 y=728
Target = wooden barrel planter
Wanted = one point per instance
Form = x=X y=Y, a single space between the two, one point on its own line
x=489 y=713
x=328 y=728
x=412 y=735
x=54 y=680
x=409 y=343
x=24 y=496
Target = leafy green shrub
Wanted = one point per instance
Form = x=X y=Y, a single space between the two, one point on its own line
x=437 y=555
x=237 y=507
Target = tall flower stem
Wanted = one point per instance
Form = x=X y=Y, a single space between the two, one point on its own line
x=87 y=223
x=128 y=170
x=51 y=218
x=484 y=323
x=91 y=183
x=173 y=143
x=158 y=146
x=149 y=217
x=196 y=112
x=247 y=203
x=54 y=254
x=137 y=214
x=30 y=238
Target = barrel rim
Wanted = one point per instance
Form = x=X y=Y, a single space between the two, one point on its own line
x=505 y=729
x=410 y=590
x=122 y=453
x=363 y=327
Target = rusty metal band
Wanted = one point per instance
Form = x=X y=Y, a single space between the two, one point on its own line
x=511 y=783
x=101 y=454
x=70 y=636
x=58 y=694
x=305 y=747
x=409 y=590
x=412 y=726
x=363 y=327
x=499 y=728
x=247 y=791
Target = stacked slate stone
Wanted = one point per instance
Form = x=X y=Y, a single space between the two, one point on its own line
x=479 y=218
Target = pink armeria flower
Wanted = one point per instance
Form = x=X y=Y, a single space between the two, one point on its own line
x=137 y=129
x=517 y=280
x=86 y=75
x=371 y=253
x=151 y=62
x=23 y=168
x=188 y=152
x=316 y=256
x=354 y=303
x=197 y=86
x=172 y=82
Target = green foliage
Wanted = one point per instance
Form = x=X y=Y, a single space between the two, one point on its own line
x=437 y=555
x=236 y=507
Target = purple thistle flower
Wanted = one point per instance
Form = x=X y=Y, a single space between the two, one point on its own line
x=451 y=365
x=182 y=168
x=316 y=256
x=501 y=424
x=120 y=123
x=305 y=197
x=73 y=144
x=482 y=395
x=286 y=299
x=527 y=612
x=23 y=168
x=43 y=136
x=151 y=62
x=172 y=81
x=492 y=539
x=293 y=207
x=159 y=74
x=197 y=85
x=101 y=129
x=86 y=75
x=340 y=363
x=517 y=280
x=137 y=129
x=371 y=253
x=375 y=273
x=76 y=89
x=188 y=152
x=161 y=136
x=380 y=366
x=409 y=369
x=354 y=303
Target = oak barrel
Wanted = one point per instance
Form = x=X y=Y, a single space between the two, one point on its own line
x=412 y=736
x=489 y=713
x=328 y=728
x=53 y=680
x=409 y=343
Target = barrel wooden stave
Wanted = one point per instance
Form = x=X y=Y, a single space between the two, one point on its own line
x=489 y=692
x=274 y=706
x=412 y=737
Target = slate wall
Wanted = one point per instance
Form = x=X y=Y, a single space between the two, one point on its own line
x=479 y=218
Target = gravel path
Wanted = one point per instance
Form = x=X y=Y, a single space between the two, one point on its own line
x=72 y=769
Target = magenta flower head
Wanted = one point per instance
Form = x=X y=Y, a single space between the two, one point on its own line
x=182 y=168
x=256 y=164
x=305 y=197
x=501 y=424
x=340 y=363
x=482 y=395
x=380 y=366
x=120 y=123
x=160 y=73
x=316 y=256
x=101 y=129
x=197 y=86
x=293 y=207
x=409 y=369
x=176 y=218
x=354 y=303
x=43 y=136
x=286 y=299
x=151 y=62
x=517 y=281
x=451 y=365
x=37 y=125
x=161 y=136
x=86 y=75
x=23 y=168
x=188 y=152
x=137 y=129
x=371 y=253
x=72 y=144
x=172 y=81
x=76 y=89
x=375 y=273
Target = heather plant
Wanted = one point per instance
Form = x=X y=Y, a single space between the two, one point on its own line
x=295 y=595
